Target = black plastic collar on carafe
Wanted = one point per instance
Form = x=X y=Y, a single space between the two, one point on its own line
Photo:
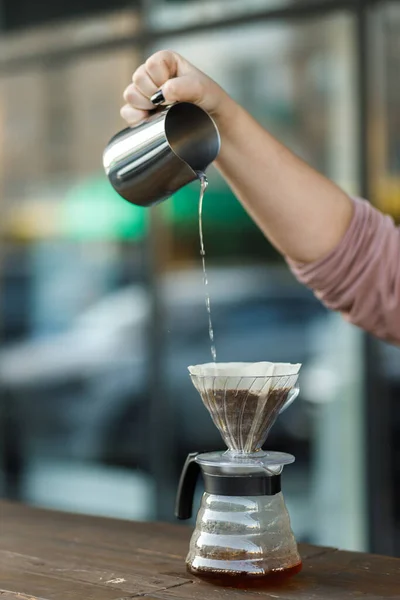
x=242 y=485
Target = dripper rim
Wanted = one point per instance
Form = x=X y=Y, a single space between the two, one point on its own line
x=237 y=370
x=249 y=376
x=295 y=370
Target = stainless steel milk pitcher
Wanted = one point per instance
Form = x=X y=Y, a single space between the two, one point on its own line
x=149 y=162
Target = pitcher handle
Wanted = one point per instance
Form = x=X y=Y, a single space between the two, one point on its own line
x=292 y=395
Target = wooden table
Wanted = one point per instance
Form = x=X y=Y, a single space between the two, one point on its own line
x=55 y=556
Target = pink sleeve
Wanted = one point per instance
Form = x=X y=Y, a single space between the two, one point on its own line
x=361 y=276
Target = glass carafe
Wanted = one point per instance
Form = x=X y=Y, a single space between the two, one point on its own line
x=243 y=534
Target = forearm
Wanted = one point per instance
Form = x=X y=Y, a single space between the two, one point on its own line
x=300 y=211
x=361 y=276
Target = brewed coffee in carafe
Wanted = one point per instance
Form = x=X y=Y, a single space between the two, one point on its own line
x=243 y=535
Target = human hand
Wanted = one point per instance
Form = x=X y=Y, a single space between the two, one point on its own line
x=176 y=80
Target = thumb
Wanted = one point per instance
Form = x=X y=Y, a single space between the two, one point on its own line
x=187 y=88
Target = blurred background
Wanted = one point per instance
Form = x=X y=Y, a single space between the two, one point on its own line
x=102 y=303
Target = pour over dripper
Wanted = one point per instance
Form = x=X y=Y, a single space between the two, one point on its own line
x=245 y=399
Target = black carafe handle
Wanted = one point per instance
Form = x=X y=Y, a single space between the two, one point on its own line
x=187 y=487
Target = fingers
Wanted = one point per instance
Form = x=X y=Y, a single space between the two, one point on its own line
x=133 y=115
x=144 y=82
x=162 y=66
x=165 y=71
x=136 y=98
x=149 y=77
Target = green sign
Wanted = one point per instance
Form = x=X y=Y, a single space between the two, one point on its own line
x=93 y=210
x=220 y=207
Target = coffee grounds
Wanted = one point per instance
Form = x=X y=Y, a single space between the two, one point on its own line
x=244 y=418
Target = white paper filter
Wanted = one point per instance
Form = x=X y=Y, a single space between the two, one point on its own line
x=244 y=399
